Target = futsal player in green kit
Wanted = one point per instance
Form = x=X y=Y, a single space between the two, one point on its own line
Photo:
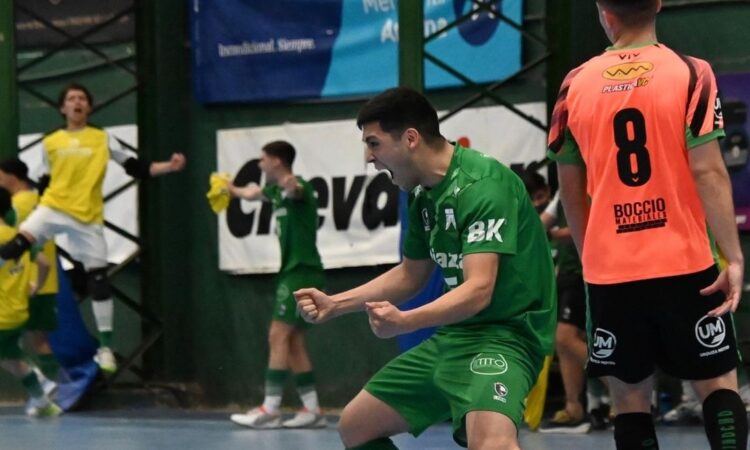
x=295 y=208
x=472 y=216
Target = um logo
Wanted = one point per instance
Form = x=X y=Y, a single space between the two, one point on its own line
x=604 y=344
x=710 y=331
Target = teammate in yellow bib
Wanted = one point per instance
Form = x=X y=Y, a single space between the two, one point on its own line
x=15 y=287
x=42 y=306
x=77 y=158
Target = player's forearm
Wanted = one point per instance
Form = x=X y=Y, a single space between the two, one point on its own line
x=575 y=201
x=251 y=192
x=715 y=191
x=42 y=269
x=157 y=168
x=396 y=286
x=461 y=303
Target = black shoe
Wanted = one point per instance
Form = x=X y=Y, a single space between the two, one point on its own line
x=599 y=418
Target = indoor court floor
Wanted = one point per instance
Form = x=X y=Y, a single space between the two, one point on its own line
x=167 y=429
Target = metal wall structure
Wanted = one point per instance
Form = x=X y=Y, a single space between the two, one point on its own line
x=67 y=55
x=9 y=102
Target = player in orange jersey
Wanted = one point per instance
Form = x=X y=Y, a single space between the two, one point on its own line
x=635 y=133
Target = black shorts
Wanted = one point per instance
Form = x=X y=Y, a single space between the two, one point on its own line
x=571 y=300
x=638 y=325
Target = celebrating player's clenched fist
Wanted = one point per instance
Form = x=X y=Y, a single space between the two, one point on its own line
x=385 y=319
x=314 y=306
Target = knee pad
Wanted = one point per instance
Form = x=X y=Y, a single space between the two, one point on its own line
x=99 y=285
x=15 y=247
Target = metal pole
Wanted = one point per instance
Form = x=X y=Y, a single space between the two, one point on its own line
x=8 y=88
x=411 y=44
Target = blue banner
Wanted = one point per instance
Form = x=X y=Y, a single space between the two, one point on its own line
x=266 y=50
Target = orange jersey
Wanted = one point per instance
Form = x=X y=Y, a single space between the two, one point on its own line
x=630 y=115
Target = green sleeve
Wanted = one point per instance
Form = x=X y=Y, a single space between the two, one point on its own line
x=270 y=191
x=693 y=141
x=35 y=250
x=488 y=217
x=569 y=153
x=415 y=238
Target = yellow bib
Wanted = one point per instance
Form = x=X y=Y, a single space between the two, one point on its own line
x=78 y=163
x=14 y=286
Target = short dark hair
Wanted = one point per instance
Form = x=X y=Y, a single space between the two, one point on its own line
x=282 y=150
x=533 y=181
x=398 y=109
x=632 y=13
x=5 y=204
x=15 y=167
x=74 y=87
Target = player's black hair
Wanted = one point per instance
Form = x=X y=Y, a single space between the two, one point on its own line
x=532 y=180
x=15 y=167
x=398 y=109
x=632 y=13
x=74 y=87
x=282 y=150
x=5 y=205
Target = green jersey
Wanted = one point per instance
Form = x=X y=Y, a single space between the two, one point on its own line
x=481 y=206
x=296 y=226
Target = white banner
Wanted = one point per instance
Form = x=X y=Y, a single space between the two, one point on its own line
x=358 y=208
x=121 y=211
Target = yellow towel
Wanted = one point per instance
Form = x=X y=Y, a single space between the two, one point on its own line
x=538 y=395
x=218 y=195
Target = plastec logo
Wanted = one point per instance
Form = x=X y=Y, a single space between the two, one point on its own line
x=627 y=71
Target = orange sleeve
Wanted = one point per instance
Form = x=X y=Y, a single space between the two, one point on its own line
x=704 y=107
x=560 y=141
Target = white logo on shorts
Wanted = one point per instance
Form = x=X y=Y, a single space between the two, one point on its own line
x=282 y=293
x=710 y=331
x=604 y=344
x=501 y=391
x=489 y=364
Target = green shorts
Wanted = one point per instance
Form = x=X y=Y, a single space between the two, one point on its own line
x=10 y=345
x=42 y=313
x=285 y=308
x=455 y=372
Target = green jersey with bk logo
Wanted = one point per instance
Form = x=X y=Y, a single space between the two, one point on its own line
x=296 y=226
x=481 y=206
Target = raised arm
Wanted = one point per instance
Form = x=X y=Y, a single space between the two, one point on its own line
x=137 y=168
x=250 y=192
x=715 y=191
x=174 y=164
x=292 y=187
